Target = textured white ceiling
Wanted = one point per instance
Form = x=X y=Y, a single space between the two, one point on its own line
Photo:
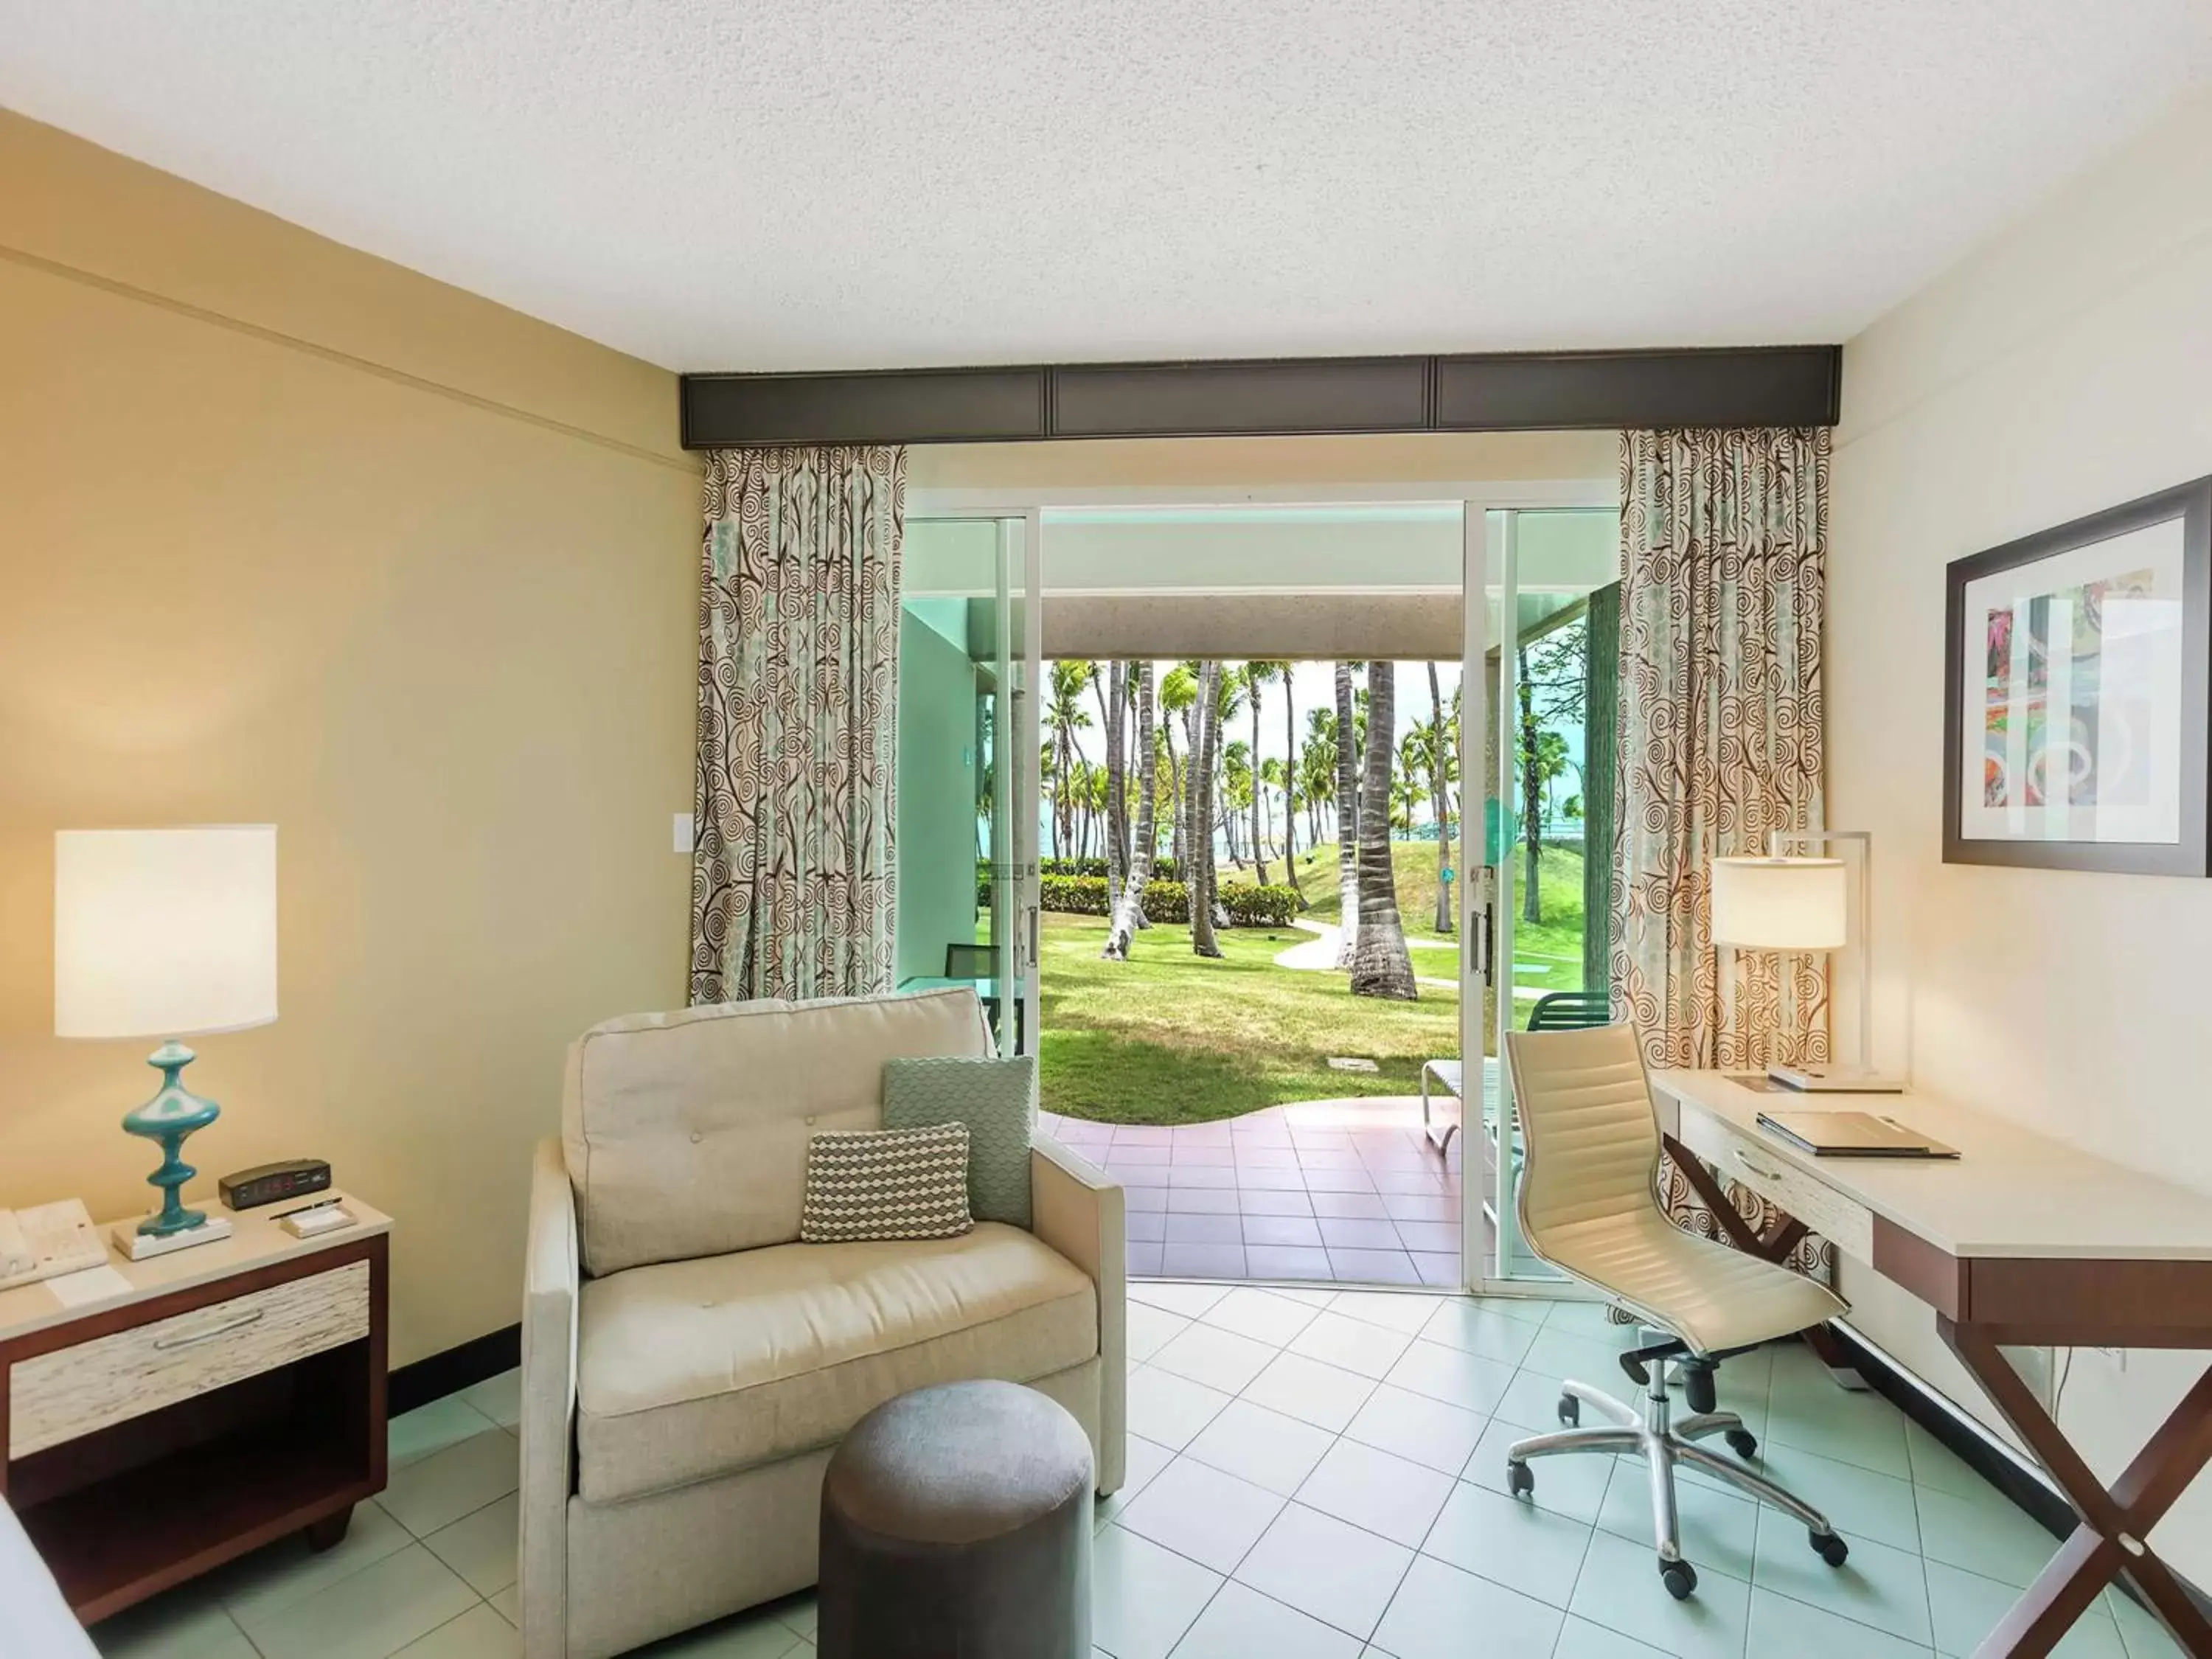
x=711 y=184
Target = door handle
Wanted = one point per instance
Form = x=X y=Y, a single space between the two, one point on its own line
x=1743 y=1159
x=1486 y=957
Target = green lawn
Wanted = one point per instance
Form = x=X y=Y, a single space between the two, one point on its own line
x=1169 y=1037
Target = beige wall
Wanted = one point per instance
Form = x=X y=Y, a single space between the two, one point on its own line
x=288 y=534
x=2066 y=368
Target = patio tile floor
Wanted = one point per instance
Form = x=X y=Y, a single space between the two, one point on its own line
x=1342 y=1191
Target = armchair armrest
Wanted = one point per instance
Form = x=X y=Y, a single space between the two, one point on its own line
x=550 y=1280
x=1078 y=1210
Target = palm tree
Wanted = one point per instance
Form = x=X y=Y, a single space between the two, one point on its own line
x=1290 y=785
x=1178 y=695
x=1380 y=966
x=1237 y=793
x=1113 y=708
x=1063 y=715
x=1442 y=756
x=1199 y=875
x=1406 y=782
x=1129 y=913
x=1347 y=817
x=1257 y=674
x=1317 y=767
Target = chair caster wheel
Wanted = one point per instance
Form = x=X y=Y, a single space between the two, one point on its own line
x=1679 y=1579
x=1700 y=1389
x=1743 y=1443
x=1830 y=1549
x=1520 y=1478
x=1570 y=1411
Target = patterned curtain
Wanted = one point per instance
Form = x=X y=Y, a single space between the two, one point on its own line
x=1723 y=539
x=793 y=875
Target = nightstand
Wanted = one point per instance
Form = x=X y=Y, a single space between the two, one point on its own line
x=209 y=1402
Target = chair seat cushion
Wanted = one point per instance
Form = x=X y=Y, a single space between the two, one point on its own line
x=1711 y=1296
x=690 y=1370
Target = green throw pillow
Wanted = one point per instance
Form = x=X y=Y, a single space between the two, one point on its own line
x=996 y=1099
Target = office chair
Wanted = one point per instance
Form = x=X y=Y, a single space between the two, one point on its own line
x=1569 y=1010
x=1590 y=1207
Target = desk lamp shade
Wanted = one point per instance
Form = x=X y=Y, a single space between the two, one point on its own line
x=1780 y=904
x=167 y=933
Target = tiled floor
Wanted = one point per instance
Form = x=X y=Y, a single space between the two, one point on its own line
x=1314 y=1474
x=1327 y=1191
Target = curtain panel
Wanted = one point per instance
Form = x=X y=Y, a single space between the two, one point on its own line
x=793 y=876
x=1723 y=539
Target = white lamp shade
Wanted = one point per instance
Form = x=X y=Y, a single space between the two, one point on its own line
x=164 y=932
x=1780 y=904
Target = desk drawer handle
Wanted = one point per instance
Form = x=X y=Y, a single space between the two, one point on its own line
x=165 y=1343
x=1744 y=1159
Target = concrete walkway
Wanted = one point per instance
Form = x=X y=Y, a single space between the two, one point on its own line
x=1319 y=953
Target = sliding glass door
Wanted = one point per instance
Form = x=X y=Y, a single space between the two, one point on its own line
x=968 y=767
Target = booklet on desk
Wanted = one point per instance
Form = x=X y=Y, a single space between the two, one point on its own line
x=1852 y=1135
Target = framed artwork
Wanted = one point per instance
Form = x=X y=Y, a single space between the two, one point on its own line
x=2076 y=694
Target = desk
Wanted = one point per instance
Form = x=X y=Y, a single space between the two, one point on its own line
x=2022 y=1241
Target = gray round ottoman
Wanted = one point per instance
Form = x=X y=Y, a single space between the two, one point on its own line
x=957 y=1521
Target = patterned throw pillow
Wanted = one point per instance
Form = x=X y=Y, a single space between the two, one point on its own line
x=863 y=1184
x=996 y=1099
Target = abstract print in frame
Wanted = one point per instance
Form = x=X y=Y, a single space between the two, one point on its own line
x=2077 y=693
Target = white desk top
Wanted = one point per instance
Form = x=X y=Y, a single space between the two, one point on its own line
x=2011 y=1192
x=256 y=1240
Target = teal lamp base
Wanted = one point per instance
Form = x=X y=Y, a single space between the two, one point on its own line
x=173 y=1113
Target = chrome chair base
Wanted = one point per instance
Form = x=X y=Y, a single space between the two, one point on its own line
x=1662 y=1443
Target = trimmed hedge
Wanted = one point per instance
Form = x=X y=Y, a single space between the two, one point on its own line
x=1168 y=901
x=1163 y=869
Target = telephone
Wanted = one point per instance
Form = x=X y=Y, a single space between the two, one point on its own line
x=46 y=1240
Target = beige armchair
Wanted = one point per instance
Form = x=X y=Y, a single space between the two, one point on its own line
x=688 y=1364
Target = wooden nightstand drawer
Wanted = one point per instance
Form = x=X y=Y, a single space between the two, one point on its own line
x=73 y=1391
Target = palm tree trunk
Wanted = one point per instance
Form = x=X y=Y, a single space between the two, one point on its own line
x=1347 y=816
x=1289 y=788
x=1440 y=798
x=1259 y=847
x=1128 y=914
x=1207 y=740
x=1109 y=686
x=1532 y=793
x=1176 y=849
x=1380 y=967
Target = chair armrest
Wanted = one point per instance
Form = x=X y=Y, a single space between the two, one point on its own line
x=550 y=1282
x=1078 y=1210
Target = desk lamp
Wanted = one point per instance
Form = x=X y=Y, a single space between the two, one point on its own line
x=165 y=934
x=1785 y=904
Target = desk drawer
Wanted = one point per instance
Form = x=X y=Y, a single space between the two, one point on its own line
x=1846 y=1224
x=75 y=1391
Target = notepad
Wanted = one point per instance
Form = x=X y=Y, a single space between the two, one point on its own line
x=1852 y=1135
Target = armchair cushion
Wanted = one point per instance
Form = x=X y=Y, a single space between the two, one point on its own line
x=996 y=1099
x=691 y=1370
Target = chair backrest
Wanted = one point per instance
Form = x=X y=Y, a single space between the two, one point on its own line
x=685 y=1134
x=1570 y=1011
x=1591 y=1137
x=967 y=961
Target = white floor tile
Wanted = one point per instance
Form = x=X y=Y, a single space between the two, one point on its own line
x=1964 y=1608
x=508 y=1605
x=1718 y=1529
x=1456 y=1377
x=1571 y=1486
x=1441 y=1613
x=1337 y=1573
x=1243 y=1623
x=2142 y=1636
x=1508 y=1542
x=1858 y=1502
x=368 y=1614
x=1375 y=1490
x=1878 y=1586
x=442 y=1423
x=1263 y=1315
x=1262 y=1446
x=1852 y=1428
x=1580 y=1639
x=1561 y=1351
x=1220 y=1359
x=1620 y=1588
x=280 y=1574
x=1201 y=1513
x=797 y=1611
x=1781 y=1625
x=1170 y=1409
x=1150 y=1329
x=499 y=1398
x=186 y=1623
x=1336 y=1339
x=1984 y=1534
x=441 y=1488
x=1141 y=1460
x=479 y=1633
x=756 y=1634
x=1177 y=1296
x=481 y=1547
x=1481 y=1328
x=1404 y=1312
x=1327 y=1396
x=1413 y=1426
x=1531 y=1399
x=1144 y=1597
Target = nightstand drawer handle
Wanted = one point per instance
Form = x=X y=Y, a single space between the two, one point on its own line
x=1758 y=1169
x=210 y=1334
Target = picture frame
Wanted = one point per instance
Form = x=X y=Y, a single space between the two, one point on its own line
x=2077 y=701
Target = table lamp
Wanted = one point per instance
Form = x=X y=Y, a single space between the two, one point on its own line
x=165 y=934
x=1786 y=904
